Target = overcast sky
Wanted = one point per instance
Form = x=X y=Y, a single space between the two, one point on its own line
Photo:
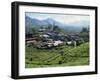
x=63 y=18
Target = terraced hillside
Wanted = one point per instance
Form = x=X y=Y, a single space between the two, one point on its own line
x=57 y=56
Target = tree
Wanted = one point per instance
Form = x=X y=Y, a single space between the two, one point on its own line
x=84 y=29
x=56 y=28
x=49 y=27
x=84 y=34
x=34 y=31
x=41 y=27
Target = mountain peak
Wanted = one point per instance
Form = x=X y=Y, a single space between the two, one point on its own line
x=50 y=19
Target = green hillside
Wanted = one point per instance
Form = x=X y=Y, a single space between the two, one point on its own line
x=57 y=56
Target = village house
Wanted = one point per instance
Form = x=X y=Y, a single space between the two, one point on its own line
x=52 y=38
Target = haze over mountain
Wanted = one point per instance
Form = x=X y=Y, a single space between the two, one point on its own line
x=70 y=27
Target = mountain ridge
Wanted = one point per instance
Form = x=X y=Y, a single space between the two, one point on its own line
x=33 y=22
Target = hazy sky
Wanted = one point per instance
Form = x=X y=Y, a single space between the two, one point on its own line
x=63 y=18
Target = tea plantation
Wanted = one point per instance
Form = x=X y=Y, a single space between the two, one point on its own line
x=57 y=56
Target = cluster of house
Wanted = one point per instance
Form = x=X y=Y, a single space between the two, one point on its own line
x=51 y=39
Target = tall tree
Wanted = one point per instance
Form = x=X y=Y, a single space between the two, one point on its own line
x=34 y=31
x=84 y=30
x=56 y=28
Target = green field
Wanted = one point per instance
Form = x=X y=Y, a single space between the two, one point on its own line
x=57 y=56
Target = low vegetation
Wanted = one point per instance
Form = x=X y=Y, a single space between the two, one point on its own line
x=57 y=56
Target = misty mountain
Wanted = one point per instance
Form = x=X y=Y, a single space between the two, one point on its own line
x=80 y=24
x=71 y=27
x=29 y=22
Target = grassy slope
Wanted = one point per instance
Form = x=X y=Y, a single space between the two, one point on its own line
x=51 y=57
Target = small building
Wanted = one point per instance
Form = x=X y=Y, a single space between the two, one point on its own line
x=57 y=43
